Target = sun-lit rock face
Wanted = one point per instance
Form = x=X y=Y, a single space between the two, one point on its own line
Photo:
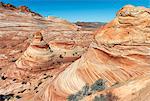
x=120 y=53
x=38 y=55
x=18 y=24
x=27 y=62
x=133 y=90
x=23 y=9
x=46 y=71
x=130 y=26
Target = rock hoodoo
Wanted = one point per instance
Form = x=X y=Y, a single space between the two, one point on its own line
x=38 y=55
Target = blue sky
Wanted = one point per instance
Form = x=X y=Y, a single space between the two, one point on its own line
x=78 y=10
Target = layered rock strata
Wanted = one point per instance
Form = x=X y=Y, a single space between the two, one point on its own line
x=38 y=55
x=121 y=52
x=28 y=65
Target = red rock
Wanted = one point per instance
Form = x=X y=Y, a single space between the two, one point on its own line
x=24 y=9
x=119 y=54
x=21 y=50
x=38 y=55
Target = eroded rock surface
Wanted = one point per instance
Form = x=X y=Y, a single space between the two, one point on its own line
x=34 y=50
x=17 y=29
x=38 y=55
x=59 y=62
x=120 y=53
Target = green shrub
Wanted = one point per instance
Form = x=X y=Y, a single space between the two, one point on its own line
x=100 y=98
x=73 y=98
x=87 y=90
x=108 y=97
x=98 y=85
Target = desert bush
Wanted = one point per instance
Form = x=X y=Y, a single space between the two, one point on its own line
x=80 y=94
x=108 y=97
x=87 y=90
x=100 y=98
x=98 y=85
x=111 y=97
x=72 y=98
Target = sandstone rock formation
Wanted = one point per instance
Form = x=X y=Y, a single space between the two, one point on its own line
x=17 y=28
x=90 y=25
x=63 y=63
x=38 y=55
x=130 y=26
x=120 y=53
x=23 y=9
x=37 y=66
x=27 y=62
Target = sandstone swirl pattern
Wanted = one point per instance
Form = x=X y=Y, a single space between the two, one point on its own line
x=27 y=62
x=51 y=70
x=121 y=52
x=38 y=55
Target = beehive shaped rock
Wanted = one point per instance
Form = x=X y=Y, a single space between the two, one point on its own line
x=38 y=55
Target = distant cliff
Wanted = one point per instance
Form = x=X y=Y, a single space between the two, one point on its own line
x=90 y=25
x=20 y=8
